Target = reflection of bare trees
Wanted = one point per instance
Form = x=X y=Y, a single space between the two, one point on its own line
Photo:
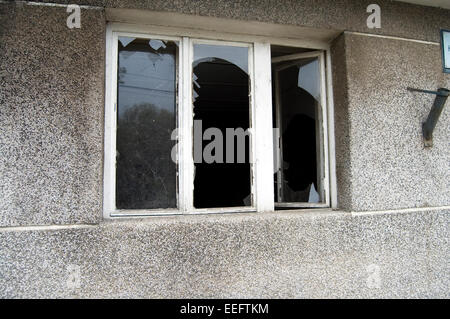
x=146 y=175
x=122 y=71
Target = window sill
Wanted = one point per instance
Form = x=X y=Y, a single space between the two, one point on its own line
x=216 y=213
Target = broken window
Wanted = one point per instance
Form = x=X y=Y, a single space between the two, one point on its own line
x=221 y=88
x=146 y=177
x=297 y=115
x=189 y=126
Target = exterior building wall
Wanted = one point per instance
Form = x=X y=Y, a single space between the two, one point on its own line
x=392 y=193
x=398 y=19
x=381 y=159
x=316 y=254
x=52 y=108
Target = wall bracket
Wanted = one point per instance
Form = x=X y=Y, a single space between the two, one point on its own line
x=436 y=110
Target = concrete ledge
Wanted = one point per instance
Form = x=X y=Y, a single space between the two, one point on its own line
x=398 y=18
x=277 y=255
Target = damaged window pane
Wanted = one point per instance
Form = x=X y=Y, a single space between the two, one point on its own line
x=297 y=112
x=146 y=176
x=221 y=101
x=237 y=56
x=308 y=78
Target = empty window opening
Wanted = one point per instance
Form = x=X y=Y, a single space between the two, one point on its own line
x=279 y=50
x=297 y=113
x=221 y=90
x=146 y=176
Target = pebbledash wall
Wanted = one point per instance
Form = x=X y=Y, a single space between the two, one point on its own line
x=389 y=236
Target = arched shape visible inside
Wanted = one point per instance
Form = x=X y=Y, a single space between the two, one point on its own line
x=221 y=101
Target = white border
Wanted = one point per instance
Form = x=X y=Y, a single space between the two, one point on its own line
x=109 y=174
x=189 y=119
x=324 y=185
x=261 y=121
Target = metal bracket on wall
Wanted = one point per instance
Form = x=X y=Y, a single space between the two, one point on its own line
x=436 y=110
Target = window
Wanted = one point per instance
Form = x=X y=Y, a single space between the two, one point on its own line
x=146 y=177
x=206 y=126
x=221 y=90
x=298 y=114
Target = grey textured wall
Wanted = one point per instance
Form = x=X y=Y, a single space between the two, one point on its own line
x=398 y=18
x=51 y=146
x=381 y=160
x=51 y=117
x=278 y=255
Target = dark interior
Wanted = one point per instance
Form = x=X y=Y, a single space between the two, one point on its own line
x=298 y=132
x=222 y=102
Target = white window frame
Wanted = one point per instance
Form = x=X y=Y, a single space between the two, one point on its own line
x=189 y=118
x=323 y=130
x=261 y=139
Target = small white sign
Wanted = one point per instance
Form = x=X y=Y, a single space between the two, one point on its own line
x=446 y=50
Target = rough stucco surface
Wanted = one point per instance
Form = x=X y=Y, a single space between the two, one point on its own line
x=51 y=116
x=341 y=121
x=51 y=146
x=381 y=160
x=398 y=19
x=309 y=255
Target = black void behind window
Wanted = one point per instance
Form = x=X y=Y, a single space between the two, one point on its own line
x=146 y=176
x=221 y=90
x=297 y=115
x=279 y=50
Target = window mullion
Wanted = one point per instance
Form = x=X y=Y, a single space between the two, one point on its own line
x=263 y=132
x=186 y=161
x=323 y=138
x=109 y=177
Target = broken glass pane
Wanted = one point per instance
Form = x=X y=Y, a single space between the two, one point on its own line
x=146 y=176
x=308 y=78
x=221 y=101
x=297 y=113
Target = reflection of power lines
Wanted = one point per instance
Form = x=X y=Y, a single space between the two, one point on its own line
x=146 y=89
x=146 y=76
